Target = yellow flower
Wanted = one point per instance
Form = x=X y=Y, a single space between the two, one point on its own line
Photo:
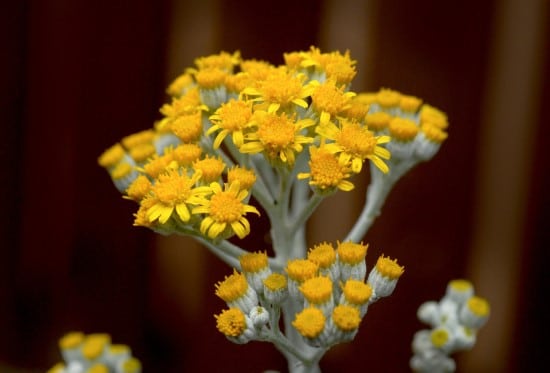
x=355 y=143
x=280 y=89
x=188 y=127
x=225 y=211
x=174 y=190
x=326 y=171
x=277 y=135
x=231 y=118
x=244 y=176
x=231 y=322
x=211 y=168
x=329 y=100
x=222 y=60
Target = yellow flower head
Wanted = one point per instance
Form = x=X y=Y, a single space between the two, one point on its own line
x=211 y=168
x=280 y=89
x=231 y=118
x=323 y=254
x=186 y=154
x=327 y=171
x=254 y=262
x=356 y=143
x=232 y=287
x=356 y=292
x=317 y=290
x=388 y=267
x=300 y=270
x=351 y=253
x=188 y=127
x=244 y=176
x=378 y=121
x=402 y=129
x=346 y=318
x=225 y=212
x=186 y=104
x=223 y=61
x=329 y=99
x=174 y=191
x=278 y=136
x=310 y=322
x=180 y=85
x=139 y=188
x=157 y=164
x=110 y=157
x=231 y=322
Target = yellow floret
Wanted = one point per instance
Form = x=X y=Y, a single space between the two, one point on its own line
x=357 y=292
x=231 y=322
x=317 y=290
x=232 y=287
x=389 y=268
x=310 y=322
x=301 y=269
x=351 y=253
x=346 y=318
x=254 y=262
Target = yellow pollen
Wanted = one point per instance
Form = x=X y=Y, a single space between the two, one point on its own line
x=479 y=306
x=389 y=268
x=403 y=129
x=188 y=127
x=139 y=138
x=439 y=337
x=232 y=287
x=346 y=318
x=231 y=322
x=317 y=290
x=121 y=170
x=186 y=154
x=225 y=207
x=323 y=254
x=139 y=188
x=253 y=262
x=94 y=344
x=310 y=322
x=357 y=292
x=301 y=269
x=378 y=121
x=388 y=98
x=141 y=152
x=111 y=156
x=351 y=253
x=211 y=168
x=71 y=340
x=275 y=282
x=245 y=177
x=210 y=78
x=433 y=133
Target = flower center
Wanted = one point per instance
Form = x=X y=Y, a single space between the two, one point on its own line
x=325 y=169
x=225 y=208
x=356 y=140
x=276 y=132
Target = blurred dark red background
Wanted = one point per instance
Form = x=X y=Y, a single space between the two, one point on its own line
x=78 y=76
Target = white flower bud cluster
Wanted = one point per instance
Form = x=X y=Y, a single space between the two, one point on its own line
x=454 y=322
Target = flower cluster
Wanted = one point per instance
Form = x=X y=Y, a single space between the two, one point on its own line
x=94 y=353
x=236 y=127
x=454 y=322
x=328 y=289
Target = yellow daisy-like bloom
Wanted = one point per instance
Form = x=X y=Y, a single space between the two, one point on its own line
x=186 y=154
x=186 y=104
x=326 y=171
x=281 y=89
x=231 y=118
x=180 y=85
x=277 y=135
x=174 y=190
x=157 y=164
x=356 y=143
x=137 y=139
x=110 y=157
x=139 y=188
x=310 y=322
x=329 y=100
x=225 y=211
